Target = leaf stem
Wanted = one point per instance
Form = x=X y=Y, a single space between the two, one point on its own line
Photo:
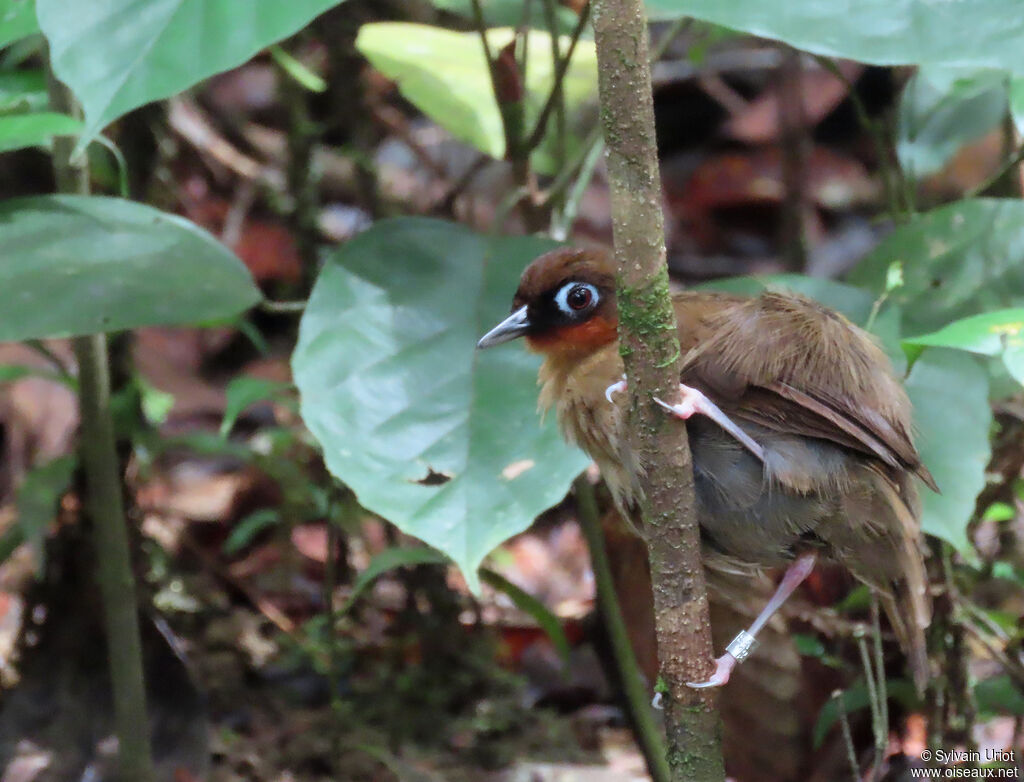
x=105 y=505
x=561 y=67
x=637 y=699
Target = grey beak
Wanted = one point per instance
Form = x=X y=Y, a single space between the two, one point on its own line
x=515 y=325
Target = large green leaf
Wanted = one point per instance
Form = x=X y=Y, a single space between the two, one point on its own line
x=435 y=436
x=444 y=73
x=958 y=260
x=944 y=108
x=510 y=13
x=117 y=55
x=949 y=391
x=990 y=334
x=17 y=19
x=982 y=33
x=18 y=131
x=86 y=264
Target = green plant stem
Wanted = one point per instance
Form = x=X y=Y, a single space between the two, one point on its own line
x=844 y=723
x=551 y=20
x=650 y=351
x=105 y=506
x=637 y=699
x=562 y=66
x=575 y=177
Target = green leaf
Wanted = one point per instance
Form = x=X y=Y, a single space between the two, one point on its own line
x=980 y=33
x=18 y=131
x=23 y=91
x=244 y=391
x=509 y=13
x=949 y=391
x=10 y=373
x=444 y=73
x=999 y=511
x=17 y=20
x=1017 y=102
x=527 y=603
x=38 y=498
x=957 y=260
x=248 y=528
x=117 y=55
x=808 y=645
x=156 y=404
x=944 y=108
x=989 y=334
x=110 y=265
x=389 y=560
x=439 y=438
x=999 y=695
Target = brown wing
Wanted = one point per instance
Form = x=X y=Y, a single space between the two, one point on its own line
x=787 y=363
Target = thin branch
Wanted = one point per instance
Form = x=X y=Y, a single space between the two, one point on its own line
x=104 y=503
x=647 y=733
x=534 y=139
x=551 y=17
x=844 y=724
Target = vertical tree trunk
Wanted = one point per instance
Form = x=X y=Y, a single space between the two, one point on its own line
x=650 y=349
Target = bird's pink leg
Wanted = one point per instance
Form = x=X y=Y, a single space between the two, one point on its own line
x=694 y=401
x=740 y=647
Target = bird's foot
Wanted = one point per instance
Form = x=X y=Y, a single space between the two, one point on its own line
x=723 y=670
x=615 y=388
x=694 y=401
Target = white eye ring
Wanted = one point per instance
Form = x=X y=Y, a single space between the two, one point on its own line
x=562 y=297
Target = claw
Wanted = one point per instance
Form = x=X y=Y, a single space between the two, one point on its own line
x=615 y=388
x=723 y=670
x=693 y=401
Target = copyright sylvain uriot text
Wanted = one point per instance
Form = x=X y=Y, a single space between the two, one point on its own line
x=947 y=757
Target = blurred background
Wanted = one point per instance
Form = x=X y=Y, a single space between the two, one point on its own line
x=294 y=624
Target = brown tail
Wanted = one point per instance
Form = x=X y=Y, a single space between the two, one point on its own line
x=903 y=588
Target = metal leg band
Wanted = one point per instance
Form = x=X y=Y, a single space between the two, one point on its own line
x=741 y=646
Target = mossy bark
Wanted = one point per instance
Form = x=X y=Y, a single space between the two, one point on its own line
x=650 y=349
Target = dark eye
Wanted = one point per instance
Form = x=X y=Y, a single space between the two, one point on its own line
x=579 y=297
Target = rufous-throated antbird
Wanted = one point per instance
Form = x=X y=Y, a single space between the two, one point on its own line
x=802 y=447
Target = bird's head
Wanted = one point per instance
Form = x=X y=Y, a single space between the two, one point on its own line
x=565 y=304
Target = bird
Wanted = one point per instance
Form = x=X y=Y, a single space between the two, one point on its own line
x=799 y=430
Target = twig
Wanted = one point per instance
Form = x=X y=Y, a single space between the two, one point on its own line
x=882 y=739
x=844 y=724
x=590 y=153
x=650 y=350
x=534 y=139
x=878 y=138
x=877 y=729
x=551 y=20
x=1014 y=668
x=187 y=120
x=637 y=701
x=54 y=360
x=105 y=503
x=282 y=307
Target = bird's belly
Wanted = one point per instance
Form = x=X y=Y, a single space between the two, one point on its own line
x=746 y=510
